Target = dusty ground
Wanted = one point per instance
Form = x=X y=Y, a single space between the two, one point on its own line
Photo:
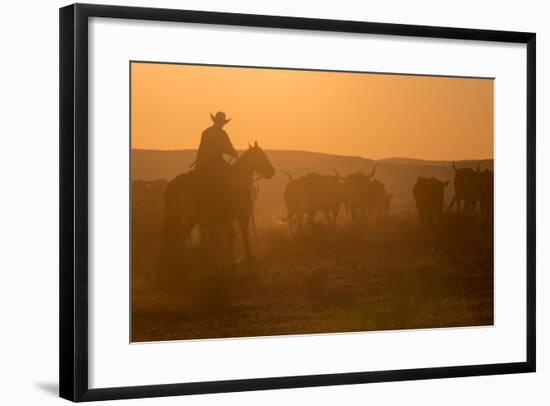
x=393 y=275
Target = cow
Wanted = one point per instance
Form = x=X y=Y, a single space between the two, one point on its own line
x=429 y=196
x=486 y=195
x=378 y=200
x=322 y=193
x=466 y=189
x=364 y=196
x=356 y=191
x=309 y=194
x=147 y=198
x=295 y=201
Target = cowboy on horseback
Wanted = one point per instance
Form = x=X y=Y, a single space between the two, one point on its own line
x=216 y=192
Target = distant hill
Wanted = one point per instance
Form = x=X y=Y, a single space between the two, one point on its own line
x=472 y=163
x=398 y=174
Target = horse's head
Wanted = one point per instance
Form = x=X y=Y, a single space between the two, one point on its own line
x=259 y=161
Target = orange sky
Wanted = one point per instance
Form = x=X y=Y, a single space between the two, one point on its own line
x=370 y=115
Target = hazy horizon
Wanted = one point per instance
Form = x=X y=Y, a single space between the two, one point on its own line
x=326 y=153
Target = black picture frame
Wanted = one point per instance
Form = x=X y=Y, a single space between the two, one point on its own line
x=73 y=254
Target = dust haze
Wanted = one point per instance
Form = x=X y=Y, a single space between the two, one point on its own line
x=337 y=244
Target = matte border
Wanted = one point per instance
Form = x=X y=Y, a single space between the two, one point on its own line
x=361 y=72
x=73 y=197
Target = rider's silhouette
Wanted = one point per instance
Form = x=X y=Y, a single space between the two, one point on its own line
x=214 y=144
x=212 y=169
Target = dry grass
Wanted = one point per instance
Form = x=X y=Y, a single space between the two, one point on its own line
x=394 y=275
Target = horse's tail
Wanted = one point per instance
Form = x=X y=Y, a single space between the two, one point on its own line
x=173 y=207
x=453 y=200
x=254 y=190
x=289 y=176
x=253 y=221
x=170 y=214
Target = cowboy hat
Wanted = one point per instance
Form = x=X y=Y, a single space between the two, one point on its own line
x=219 y=118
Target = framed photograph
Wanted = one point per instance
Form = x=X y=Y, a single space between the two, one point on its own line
x=257 y=202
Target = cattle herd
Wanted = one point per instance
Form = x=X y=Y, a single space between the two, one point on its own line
x=363 y=197
x=366 y=198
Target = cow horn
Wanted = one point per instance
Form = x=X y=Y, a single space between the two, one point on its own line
x=289 y=176
x=249 y=146
x=256 y=186
x=373 y=171
x=337 y=174
x=454 y=166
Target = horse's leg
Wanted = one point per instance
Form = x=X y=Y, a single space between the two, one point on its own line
x=170 y=233
x=291 y=218
x=357 y=217
x=208 y=238
x=170 y=249
x=335 y=214
x=203 y=238
x=363 y=215
x=243 y=222
x=299 y=219
x=186 y=229
x=229 y=236
x=332 y=217
x=311 y=217
x=326 y=212
x=451 y=204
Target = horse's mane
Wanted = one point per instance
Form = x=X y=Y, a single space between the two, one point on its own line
x=243 y=158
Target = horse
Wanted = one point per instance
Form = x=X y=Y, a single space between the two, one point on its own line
x=192 y=198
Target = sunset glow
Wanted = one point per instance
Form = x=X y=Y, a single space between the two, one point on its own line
x=370 y=115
